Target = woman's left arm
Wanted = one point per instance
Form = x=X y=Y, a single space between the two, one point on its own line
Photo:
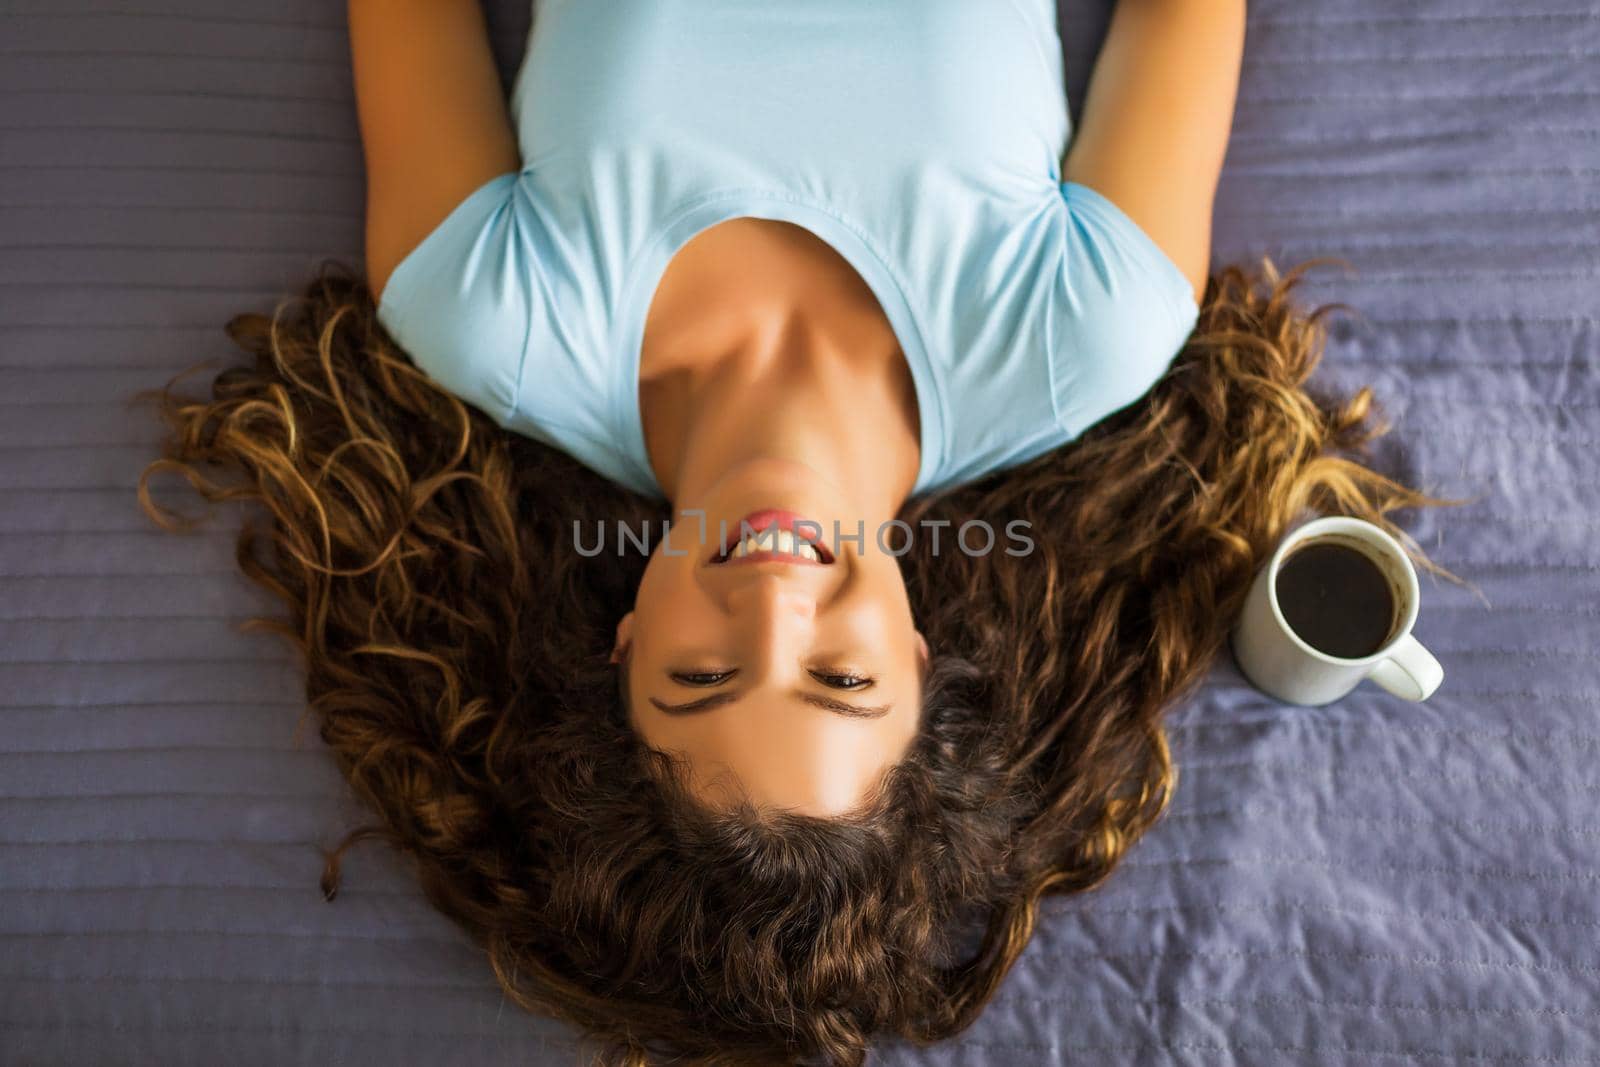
x=1156 y=117
x=435 y=124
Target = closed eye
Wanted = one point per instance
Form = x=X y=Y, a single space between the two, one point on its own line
x=701 y=679
x=847 y=680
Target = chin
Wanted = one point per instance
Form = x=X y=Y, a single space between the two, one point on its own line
x=772 y=482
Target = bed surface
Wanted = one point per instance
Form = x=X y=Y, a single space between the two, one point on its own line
x=1369 y=882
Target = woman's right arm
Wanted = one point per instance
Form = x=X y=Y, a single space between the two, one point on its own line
x=434 y=120
x=1156 y=118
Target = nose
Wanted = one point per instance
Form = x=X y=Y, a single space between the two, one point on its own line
x=776 y=621
x=770 y=596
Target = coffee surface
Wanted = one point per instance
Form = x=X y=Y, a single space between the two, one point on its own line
x=1336 y=599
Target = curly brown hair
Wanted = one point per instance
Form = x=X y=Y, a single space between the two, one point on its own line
x=457 y=662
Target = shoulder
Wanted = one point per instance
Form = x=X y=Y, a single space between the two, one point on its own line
x=1121 y=313
x=462 y=301
x=1128 y=261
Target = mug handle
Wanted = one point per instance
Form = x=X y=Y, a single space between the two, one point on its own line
x=1409 y=671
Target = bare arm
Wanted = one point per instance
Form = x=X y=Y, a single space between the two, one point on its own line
x=1156 y=117
x=434 y=120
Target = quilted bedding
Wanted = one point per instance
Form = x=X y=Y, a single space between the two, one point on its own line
x=1368 y=882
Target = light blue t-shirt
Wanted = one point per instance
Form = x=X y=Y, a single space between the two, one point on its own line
x=921 y=139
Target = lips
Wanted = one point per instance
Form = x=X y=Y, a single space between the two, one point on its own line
x=776 y=528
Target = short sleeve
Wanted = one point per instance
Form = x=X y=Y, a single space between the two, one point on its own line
x=461 y=302
x=1123 y=311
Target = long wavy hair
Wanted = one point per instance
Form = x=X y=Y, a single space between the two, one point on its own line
x=457 y=647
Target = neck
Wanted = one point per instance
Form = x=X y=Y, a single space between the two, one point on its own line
x=830 y=395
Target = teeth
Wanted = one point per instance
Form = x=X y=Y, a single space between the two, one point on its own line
x=783 y=542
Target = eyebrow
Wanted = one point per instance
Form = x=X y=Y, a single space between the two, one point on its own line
x=717 y=700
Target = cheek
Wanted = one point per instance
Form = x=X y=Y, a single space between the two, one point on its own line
x=670 y=609
x=666 y=578
x=664 y=582
x=881 y=617
x=883 y=588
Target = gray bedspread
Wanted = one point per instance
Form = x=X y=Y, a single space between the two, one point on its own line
x=1369 y=882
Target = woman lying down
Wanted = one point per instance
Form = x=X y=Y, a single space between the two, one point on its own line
x=747 y=524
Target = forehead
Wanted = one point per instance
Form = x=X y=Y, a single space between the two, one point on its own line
x=806 y=772
x=776 y=750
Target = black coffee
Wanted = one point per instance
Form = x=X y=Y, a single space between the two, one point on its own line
x=1336 y=599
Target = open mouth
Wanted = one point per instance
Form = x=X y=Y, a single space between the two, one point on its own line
x=770 y=537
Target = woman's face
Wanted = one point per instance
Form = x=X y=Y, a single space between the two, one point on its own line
x=794 y=680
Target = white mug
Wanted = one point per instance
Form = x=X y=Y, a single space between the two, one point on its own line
x=1279 y=662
